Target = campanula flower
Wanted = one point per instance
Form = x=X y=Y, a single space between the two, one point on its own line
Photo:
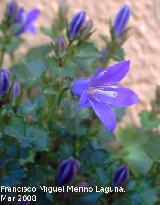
x=121 y=20
x=15 y=92
x=102 y=93
x=4 y=81
x=77 y=23
x=121 y=176
x=21 y=19
x=67 y=171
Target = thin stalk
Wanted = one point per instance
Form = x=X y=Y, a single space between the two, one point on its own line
x=2 y=57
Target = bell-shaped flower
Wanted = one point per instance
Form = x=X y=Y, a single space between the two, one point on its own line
x=67 y=171
x=22 y=20
x=76 y=24
x=120 y=176
x=102 y=93
x=121 y=20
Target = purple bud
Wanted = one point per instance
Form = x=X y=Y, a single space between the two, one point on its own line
x=16 y=90
x=88 y=28
x=12 y=9
x=67 y=171
x=121 y=20
x=60 y=44
x=121 y=176
x=77 y=23
x=4 y=81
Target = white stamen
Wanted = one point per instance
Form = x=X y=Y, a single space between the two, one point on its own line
x=109 y=93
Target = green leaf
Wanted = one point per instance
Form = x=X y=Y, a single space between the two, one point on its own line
x=27 y=135
x=68 y=71
x=138 y=160
x=103 y=178
x=13 y=175
x=29 y=72
x=51 y=65
x=38 y=175
x=38 y=52
x=88 y=50
x=149 y=121
x=96 y=154
x=105 y=135
x=152 y=147
x=13 y=45
x=118 y=54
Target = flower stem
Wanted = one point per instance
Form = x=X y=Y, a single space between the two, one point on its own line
x=2 y=57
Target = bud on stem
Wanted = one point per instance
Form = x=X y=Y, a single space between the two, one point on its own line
x=76 y=24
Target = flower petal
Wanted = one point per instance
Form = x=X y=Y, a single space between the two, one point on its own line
x=115 y=96
x=80 y=85
x=105 y=114
x=32 y=15
x=30 y=28
x=97 y=73
x=84 y=100
x=113 y=74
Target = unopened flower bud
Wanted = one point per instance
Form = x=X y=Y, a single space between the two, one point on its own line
x=121 y=20
x=88 y=28
x=77 y=23
x=121 y=176
x=12 y=9
x=60 y=44
x=67 y=171
x=4 y=81
x=16 y=90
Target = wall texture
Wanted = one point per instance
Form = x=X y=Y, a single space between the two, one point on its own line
x=142 y=48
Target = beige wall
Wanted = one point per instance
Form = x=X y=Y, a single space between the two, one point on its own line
x=142 y=48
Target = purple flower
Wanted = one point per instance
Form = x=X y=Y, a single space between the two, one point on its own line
x=67 y=171
x=4 y=81
x=121 y=20
x=16 y=90
x=25 y=20
x=77 y=23
x=121 y=176
x=21 y=19
x=102 y=93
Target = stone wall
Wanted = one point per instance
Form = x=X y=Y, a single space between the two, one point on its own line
x=142 y=48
